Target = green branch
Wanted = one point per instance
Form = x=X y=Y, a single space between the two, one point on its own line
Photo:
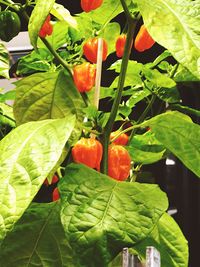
x=108 y=128
x=56 y=55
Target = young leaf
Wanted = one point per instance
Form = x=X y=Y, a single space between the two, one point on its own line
x=169 y=241
x=46 y=96
x=4 y=61
x=180 y=136
x=28 y=154
x=145 y=149
x=101 y=215
x=36 y=61
x=178 y=31
x=40 y=240
x=38 y=17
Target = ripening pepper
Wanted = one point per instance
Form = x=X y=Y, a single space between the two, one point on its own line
x=143 y=40
x=122 y=139
x=88 y=5
x=119 y=162
x=9 y=25
x=46 y=28
x=120 y=45
x=90 y=49
x=88 y=151
x=55 y=194
x=84 y=76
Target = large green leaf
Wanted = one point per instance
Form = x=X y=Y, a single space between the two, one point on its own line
x=28 y=154
x=46 y=96
x=145 y=149
x=178 y=31
x=38 y=17
x=101 y=215
x=169 y=241
x=4 y=61
x=37 y=239
x=180 y=135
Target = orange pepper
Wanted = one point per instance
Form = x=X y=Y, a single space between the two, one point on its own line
x=88 y=151
x=143 y=40
x=88 y=5
x=90 y=49
x=121 y=140
x=84 y=76
x=119 y=162
x=46 y=28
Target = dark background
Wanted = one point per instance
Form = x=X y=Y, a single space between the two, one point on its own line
x=181 y=185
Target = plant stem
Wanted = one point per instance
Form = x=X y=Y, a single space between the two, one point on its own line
x=56 y=55
x=108 y=128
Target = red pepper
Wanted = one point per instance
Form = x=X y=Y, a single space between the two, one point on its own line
x=88 y=5
x=143 y=40
x=88 y=151
x=55 y=194
x=46 y=28
x=53 y=181
x=119 y=162
x=120 y=45
x=90 y=49
x=122 y=139
x=84 y=76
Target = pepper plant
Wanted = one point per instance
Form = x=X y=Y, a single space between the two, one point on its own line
x=61 y=125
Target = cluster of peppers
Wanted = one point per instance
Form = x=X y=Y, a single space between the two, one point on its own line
x=88 y=151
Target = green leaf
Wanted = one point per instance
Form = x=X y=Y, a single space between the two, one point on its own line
x=158 y=79
x=36 y=61
x=4 y=61
x=133 y=74
x=145 y=149
x=9 y=95
x=28 y=154
x=61 y=13
x=178 y=31
x=6 y=115
x=180 y=136
x=184 y=75
x=101 y=215
x=137 y=96
x=37 y=18
x=37 y=239
x=185 y=109
x=46 y=96
x=169 y=241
